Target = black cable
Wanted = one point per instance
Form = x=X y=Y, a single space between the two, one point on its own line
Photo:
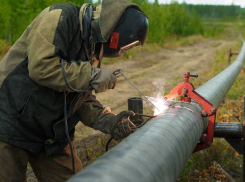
x=137 y=114
x=65 y=112
x=67 y=134
x=107 y=144
x=64 y=76
x=143 y=123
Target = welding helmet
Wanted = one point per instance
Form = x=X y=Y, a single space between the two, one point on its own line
x=130 y=31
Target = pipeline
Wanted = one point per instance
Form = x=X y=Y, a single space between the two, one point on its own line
x=216 y=89
x=229 y=130
x=160 y=149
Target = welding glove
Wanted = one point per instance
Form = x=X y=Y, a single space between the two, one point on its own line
x=114 y=124
x=101 y=80
x=124 y=129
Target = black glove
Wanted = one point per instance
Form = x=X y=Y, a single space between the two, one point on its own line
x=109 y=123
x=101 y=80
x=124 y=129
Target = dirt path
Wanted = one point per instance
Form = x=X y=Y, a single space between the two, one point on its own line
x=159 y=69
x=145 y=71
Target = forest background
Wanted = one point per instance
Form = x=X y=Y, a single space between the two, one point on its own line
x=171 y=26
x=177 y=20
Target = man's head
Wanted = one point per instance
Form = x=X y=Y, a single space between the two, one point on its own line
x=131 y=30
x=120 y=26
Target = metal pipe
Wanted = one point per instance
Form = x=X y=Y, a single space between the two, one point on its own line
x=160 y=149
x=228 y=130
x=231 y=54
x=156 y=152
x=216 y=89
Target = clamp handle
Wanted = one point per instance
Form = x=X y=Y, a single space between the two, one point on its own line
x=187 y=75
x=194 y=75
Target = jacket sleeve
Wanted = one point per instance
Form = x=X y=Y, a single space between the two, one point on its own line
x=93 y=115
x=48 y=43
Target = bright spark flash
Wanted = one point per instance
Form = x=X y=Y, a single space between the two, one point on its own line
x=160 y=103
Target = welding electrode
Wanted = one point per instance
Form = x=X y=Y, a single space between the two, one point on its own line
x=118 y=73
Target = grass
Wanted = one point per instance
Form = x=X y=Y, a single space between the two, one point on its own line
x=132 y=53
x=174 y=42
x=3 y=47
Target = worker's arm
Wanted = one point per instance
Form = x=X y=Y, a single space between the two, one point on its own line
x=92 y=114
x=48 y=43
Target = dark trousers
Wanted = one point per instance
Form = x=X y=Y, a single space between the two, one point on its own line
x=57 y=168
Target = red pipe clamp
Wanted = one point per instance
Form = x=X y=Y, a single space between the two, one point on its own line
x=187 y=91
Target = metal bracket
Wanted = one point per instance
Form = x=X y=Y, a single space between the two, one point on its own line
x=231 y=54
x=237 y=144
x=187 y=92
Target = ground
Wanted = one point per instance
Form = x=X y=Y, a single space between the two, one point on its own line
x=150 y=70
x=159 y=69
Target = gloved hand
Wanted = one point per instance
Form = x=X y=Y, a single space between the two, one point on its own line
x=110 y=123
x=101 y=80
x=124 y=129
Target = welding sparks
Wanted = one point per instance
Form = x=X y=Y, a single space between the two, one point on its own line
x=158 y=99
x=160 y=103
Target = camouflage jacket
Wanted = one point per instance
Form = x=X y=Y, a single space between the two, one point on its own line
x=31 y=80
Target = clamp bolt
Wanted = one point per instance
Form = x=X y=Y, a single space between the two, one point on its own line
x=185 y=90
x=204 y=113
x=203 y=138
x=212 y=110
x=208 y=144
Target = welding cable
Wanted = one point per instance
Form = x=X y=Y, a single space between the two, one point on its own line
x=149 y=116
x=68 y=85
x=67 y=134
x=65 y=114
x=143 y=123
x=108 y=142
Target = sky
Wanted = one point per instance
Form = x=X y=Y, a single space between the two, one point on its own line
x=218 y=2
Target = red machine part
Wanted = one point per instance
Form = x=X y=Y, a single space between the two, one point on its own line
x=187 y=90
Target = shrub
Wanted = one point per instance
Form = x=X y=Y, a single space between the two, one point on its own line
x=3 y=47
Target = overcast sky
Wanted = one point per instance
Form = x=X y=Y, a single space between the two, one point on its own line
x=219 y=2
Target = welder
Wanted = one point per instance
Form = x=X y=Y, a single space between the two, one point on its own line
x=46 y=84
